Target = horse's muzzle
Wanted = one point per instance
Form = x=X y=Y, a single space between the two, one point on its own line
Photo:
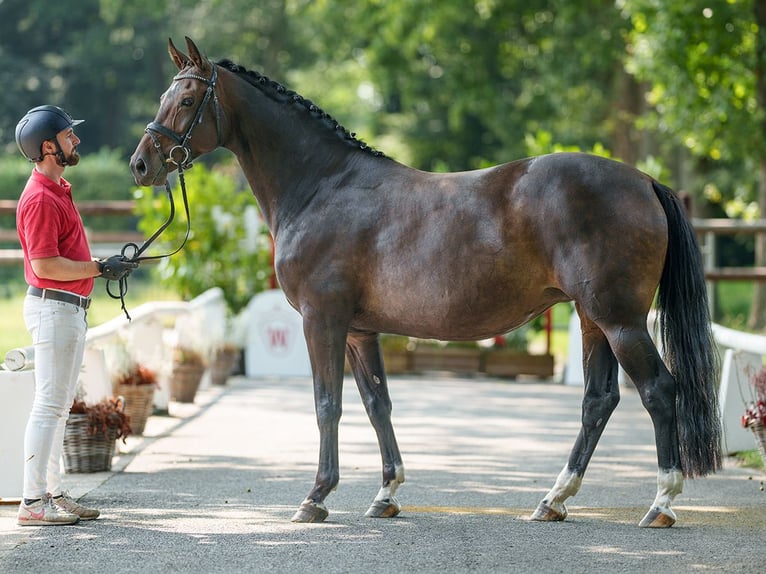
x=147 y=170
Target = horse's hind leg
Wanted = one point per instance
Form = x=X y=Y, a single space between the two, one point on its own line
x=657 y=389
x=602 y=394
x=363 y=351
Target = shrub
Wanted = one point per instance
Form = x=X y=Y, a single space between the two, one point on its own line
x=229 y=246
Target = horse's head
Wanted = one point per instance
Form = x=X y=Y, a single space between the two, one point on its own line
x=189 y=105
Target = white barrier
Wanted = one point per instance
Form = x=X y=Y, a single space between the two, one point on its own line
x=743 y=356
x=17 y=390
x=275 y=342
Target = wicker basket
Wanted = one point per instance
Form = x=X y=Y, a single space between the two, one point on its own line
x=222 y=365
x=139 y=404
x=184 y=381
x=85 y=452
x=759 y=431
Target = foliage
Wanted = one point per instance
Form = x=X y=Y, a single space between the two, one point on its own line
x=101 y=175
x=105 y=417
x=755 y=411
x=187 y=356
x=463 y=82
x=701 y=62
x=137 y=375
x=668 y=85
x=229 y=246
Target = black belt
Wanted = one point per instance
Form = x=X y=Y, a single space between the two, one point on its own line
x=63 y=296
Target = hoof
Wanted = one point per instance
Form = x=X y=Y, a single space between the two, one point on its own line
x=655 y=518
x=310 y=511
x=545 y=513
x=383 y=509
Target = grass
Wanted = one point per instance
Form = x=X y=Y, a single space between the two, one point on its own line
x=104 y=308
x=750 y=459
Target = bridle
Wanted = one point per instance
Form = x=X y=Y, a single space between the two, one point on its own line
x=131 y=251
x=182 y=142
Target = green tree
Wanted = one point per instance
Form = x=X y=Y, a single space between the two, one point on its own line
x=705 y=64
x=464 y=82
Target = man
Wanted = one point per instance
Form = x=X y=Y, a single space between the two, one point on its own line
x=59 y=270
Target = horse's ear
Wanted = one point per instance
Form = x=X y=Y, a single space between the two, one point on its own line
x=198 y=58
x=179 y=58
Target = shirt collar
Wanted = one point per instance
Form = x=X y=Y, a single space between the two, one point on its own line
x=63 y=187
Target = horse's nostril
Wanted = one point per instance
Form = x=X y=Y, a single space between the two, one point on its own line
x=140 y=167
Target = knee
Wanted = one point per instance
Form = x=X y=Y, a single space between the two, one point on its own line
x=44 y=410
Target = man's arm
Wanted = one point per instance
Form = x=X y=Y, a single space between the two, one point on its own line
x=62 y=269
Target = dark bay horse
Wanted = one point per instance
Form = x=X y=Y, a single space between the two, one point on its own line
x=366 y=245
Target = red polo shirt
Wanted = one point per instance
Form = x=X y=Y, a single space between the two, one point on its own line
x=49 y=225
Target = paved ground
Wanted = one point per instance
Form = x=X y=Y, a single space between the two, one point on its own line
x=212 y=489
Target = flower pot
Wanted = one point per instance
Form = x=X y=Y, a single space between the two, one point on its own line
x=184 y=381
x=222 y=365
x=84 y=452
x=139 y=404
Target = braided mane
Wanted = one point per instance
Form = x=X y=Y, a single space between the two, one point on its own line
x=279 y=93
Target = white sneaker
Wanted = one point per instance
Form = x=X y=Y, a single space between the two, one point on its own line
x=71 y=506
x=44 y=513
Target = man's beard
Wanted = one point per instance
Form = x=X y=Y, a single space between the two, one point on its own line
x=72 y=159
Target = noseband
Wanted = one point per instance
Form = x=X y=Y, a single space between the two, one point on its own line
x=153 y=129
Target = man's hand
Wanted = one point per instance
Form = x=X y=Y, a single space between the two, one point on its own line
x=116 y=267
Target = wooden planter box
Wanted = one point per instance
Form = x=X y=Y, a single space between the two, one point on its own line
x=455 y=359
x=397 y=361
x=500 y=363
x=493 y=362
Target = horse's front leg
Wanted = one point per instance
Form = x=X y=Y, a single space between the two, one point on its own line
x=326 y=341
x=363 y=351
x=602 y=394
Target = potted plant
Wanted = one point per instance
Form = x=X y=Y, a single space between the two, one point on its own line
x=136 y=385
x=755 y=411
x=91 y=432
x=185 y=377
x=222 y=362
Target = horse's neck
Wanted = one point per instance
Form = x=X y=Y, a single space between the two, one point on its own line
x=285 y=177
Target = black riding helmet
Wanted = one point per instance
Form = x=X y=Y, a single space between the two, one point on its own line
x=38 y=125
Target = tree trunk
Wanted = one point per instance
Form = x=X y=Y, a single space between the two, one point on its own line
x=757 y=319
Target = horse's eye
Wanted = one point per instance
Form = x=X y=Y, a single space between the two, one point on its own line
x=187 y=102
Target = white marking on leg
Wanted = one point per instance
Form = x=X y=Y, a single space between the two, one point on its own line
x=670 y=483
x=567 y=484
x=387 y=491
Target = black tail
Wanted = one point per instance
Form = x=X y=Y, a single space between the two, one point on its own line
x=687 y=339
